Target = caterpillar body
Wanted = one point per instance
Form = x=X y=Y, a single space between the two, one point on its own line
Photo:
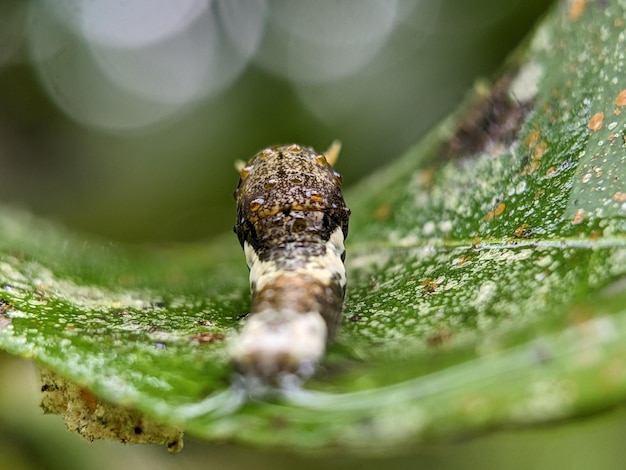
x=291 y=222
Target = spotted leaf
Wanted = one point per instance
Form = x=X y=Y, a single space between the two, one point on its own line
x=486 y=278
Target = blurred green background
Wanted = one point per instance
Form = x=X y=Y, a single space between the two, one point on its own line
x=114 y=129
x=125 y=121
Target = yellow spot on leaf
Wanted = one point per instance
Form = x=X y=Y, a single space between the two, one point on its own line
x=619 y=197
x=576 y=8
x=621 y=98
x=496 y=212
x=595 y=123
x=595 y=235
x=578 y=217
x=533 y=138
x=500 y=209
x=382 y=213
x=539 y=150
x=430 y=285
x=521 y=230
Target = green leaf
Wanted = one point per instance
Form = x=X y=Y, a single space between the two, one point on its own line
x=486 y=278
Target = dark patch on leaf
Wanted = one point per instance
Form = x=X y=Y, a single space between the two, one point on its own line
x=494 y=120
x=439 y=338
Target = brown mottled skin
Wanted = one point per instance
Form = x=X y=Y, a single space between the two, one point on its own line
x=288 y=194
x=289 y=202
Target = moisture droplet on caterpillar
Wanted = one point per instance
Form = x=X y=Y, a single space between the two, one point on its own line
x=291 y=222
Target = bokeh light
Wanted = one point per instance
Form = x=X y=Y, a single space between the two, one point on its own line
x=124 y=118
x=121 y=66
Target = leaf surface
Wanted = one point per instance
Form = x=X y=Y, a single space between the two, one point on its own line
x=486 y=277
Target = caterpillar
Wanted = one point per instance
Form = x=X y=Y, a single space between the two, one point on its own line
x=291 y=223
